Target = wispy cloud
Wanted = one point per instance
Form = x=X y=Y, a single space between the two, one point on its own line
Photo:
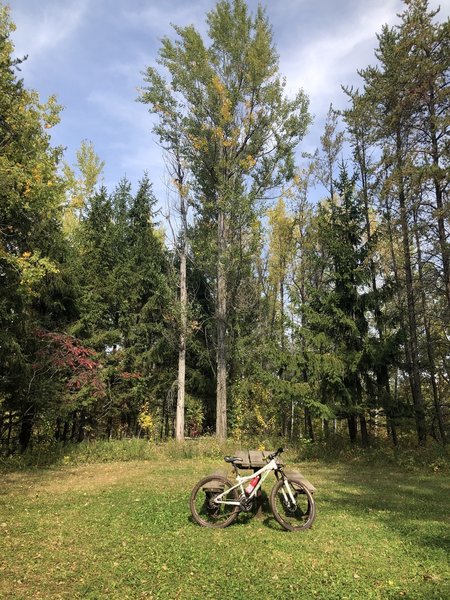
x=332 y=57
x=45 y=27
x=156 y=18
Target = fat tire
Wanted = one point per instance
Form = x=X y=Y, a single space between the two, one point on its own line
x=304 y=490
x=233 y=495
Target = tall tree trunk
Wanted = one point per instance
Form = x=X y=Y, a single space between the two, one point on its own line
x=382 y=370
x=399 y=287
x=352 y=427
x=291 y=432
x=309 y=429
x=10 y=428
x=443 y=243
x=364 y=432
x=179 y=421
x=429 y=341
x=415 y=380
x=26 y=428
x=221 y=397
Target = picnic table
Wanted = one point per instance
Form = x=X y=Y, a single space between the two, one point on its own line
x=252 y=459
x=256 y=459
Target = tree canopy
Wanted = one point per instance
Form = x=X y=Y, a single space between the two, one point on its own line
x=271 y=314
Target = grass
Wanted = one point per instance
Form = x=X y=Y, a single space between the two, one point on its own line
x=122 y=530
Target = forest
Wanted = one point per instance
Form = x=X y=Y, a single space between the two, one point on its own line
x=258 y=312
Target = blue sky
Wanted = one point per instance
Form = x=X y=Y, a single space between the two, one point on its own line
x=91 y=54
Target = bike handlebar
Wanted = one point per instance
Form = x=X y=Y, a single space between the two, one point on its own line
x=276 y=453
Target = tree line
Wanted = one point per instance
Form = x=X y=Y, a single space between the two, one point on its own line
x=268 y=313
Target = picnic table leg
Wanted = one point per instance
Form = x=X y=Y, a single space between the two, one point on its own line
x=259 y=504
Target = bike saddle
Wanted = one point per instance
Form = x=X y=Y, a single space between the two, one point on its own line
x=232 y=459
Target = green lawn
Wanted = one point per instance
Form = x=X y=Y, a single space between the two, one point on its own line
x=123 y=530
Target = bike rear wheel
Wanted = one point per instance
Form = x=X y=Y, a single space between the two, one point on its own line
x=203 y=509
x=295 y=513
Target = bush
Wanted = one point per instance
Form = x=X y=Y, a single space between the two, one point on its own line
x=336 y=449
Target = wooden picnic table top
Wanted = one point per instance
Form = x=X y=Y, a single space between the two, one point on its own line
x=252 y=459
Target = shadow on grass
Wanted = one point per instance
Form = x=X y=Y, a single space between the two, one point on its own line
x=261 y=514
x=416 y=506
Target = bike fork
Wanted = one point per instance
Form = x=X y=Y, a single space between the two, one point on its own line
x=288 y=496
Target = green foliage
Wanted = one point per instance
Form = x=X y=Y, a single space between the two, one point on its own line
x=336 y=314
x=314 y=315
x=81 y=184
x=123 y=274
x=223 y=112
x=35 y=290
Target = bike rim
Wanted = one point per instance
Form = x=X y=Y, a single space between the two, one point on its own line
x=210 y=513
x=296 y=515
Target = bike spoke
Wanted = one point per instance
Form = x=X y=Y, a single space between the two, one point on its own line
x=208 y=512
x=295 y=508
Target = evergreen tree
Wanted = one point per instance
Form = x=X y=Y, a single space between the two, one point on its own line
x=336 y=313
x=124 y=299
x=35 y=291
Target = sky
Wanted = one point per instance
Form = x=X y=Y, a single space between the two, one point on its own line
x=92 y=53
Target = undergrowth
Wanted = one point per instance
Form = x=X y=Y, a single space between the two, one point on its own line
x=406 y=457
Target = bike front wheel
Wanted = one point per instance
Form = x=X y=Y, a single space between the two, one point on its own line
x=292 y=505
x=203 y=508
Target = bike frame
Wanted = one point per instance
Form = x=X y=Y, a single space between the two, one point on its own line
x=263 y=473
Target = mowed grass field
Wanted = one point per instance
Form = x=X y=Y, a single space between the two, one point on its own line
x=123 y=530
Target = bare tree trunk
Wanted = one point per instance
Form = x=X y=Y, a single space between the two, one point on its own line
x=364 y=432
x=26 y=428
x=179 y=422
x=429 y=341
x=309 y=429
x=352 y=427
x=440 y=209
x=221 y=398
x=291 y=433
x=10 y=427
x=415 y=380
x=382 y=370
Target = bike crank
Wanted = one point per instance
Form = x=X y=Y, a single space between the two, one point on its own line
x=246 y=504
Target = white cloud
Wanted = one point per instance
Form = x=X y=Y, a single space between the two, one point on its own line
x=44 y=27
x=156 y=17
x=119 y=107
x=322 y=64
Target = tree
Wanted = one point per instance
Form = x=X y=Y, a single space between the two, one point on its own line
x=360 y=123
x=332 y=141
x=407 y=93
x=171 y=135
x=32 y=249
x=82 y=184
x=124 y=304
x=240 y=132
x=425 y=49
x=336 y=313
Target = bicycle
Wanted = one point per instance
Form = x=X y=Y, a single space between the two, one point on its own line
x=216 y=502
